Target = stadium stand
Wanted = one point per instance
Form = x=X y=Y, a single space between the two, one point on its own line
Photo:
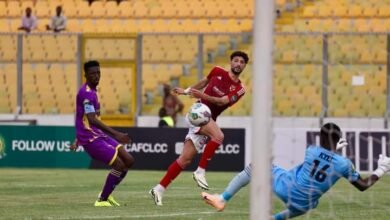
x=351 y=56
x=298 y=55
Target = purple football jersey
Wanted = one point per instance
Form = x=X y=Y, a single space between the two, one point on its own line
x=87 y=101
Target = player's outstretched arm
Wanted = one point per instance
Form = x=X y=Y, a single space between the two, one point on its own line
x=200 y=85
x=363 y=184
x=224 y=100
x=119 y=136
x=383 y=168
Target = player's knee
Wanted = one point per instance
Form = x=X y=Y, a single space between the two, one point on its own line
x=184 y=162
x=218 y=137
x=119 y=165
x=129 y=161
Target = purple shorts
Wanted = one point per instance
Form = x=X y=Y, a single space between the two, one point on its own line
x=104 y=149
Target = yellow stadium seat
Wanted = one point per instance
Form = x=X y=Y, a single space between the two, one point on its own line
x=99 y=10
x=187 y=81
x=340 y=11
x=229 y=12
x=378 y=25
x=355 y=11
x=156 y=11
x=27 y=3
x=14 y=9
x=183 y=9
x=73 y=25
x=42 y=9
x=325 y=11
x=381 y=56
x=309 y=11
x=197 y=9
x=361 y=25
x=354 y=109
x=289 y=56
x=285 y=108
x=102 y=26
x=125 y=9
x=384 y=11
x=344 y=25
x=113 y=10
x=69 y=7
x=213 y=10
x=83 y=9
x=366 y=56
x=3 y=6
x=89 y=25
x=370 y=11
x=339 y=112
x=139 y=9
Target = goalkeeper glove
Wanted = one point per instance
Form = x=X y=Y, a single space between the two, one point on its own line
x=341 y=144
x=383 y=166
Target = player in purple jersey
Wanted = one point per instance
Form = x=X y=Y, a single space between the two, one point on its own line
x=100 y=141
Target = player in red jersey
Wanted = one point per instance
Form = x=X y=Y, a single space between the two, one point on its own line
x=222 y=88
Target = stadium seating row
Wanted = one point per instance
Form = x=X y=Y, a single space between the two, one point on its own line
x=338 y=25
x=55 y=48
x=105 y=25
x=340 y=9
x=133 y=9
x=351 y=89
x=183 y=48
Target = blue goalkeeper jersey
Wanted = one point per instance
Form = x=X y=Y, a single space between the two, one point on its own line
x=302 y=186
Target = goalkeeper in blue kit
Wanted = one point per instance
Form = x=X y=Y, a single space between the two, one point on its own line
x=301 y=187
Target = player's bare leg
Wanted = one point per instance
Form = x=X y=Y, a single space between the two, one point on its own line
x=218 y=201
x=185 y=158
x=216 y=136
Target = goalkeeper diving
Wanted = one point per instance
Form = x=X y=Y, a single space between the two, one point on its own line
x=301 y=187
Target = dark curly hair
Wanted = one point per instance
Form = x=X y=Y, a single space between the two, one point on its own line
x=240 y=54
x=89 y=64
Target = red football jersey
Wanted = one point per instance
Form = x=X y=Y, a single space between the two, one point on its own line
x=220 y=84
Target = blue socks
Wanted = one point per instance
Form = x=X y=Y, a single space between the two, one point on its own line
x=240 y=180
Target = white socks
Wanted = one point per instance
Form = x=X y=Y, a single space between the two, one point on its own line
x=200 y=171
x=159 y=188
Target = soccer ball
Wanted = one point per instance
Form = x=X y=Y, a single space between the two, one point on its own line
x=199 y=114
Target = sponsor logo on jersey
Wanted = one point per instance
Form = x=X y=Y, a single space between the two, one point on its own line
x=232 y=88
x=219 y=92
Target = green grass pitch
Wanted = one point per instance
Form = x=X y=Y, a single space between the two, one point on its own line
x=70 y=194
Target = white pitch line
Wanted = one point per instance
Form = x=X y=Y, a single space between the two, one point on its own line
x=143 y=216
